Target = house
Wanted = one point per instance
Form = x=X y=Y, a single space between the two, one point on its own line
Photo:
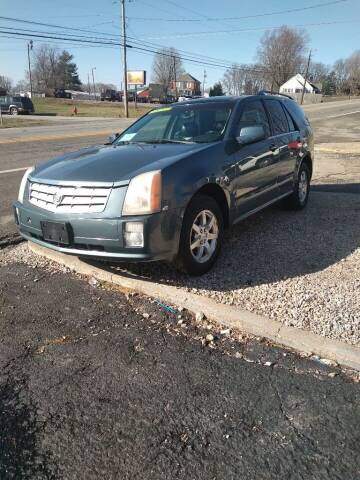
x=296 y=83
x=186 y=84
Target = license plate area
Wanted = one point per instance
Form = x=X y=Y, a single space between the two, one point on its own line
x=56 y=232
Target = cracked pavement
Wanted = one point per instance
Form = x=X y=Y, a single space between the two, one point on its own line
x=93 y=388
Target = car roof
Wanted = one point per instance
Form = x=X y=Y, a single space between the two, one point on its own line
x=230 y=99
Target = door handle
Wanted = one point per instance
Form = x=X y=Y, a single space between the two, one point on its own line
x=272 y=147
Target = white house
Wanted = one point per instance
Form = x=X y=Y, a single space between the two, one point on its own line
x=295 y=84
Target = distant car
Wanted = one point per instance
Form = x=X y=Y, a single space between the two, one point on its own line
x=62 y=93
x=168 y=186
x=183 y=98
x=16 y=104
x=110 y=95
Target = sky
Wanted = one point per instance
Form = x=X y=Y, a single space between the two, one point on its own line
x=204 y=28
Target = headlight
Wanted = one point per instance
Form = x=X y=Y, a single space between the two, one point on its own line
x=143 y=195
x=23 y=184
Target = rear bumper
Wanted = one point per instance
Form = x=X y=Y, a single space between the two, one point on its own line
x=103 y=237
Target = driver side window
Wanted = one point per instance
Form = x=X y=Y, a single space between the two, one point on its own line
x=254 y=114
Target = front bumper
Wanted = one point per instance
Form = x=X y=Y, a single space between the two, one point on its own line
x=100 y=237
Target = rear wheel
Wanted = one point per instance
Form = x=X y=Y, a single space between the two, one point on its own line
x=299 y=198
x=14 y=111
x=201 y=236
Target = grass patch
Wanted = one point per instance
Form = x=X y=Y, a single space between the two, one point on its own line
x=10 y=122
x=86 y=108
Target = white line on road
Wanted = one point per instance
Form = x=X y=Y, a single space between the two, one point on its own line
x=343 y=114
x=12 y=170
x=336 y=116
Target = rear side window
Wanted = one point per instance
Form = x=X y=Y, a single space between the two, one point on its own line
x=254 y=114
x=278 y=117
x=297 y=113
x=291 y=123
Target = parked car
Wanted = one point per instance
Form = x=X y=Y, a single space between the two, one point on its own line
x=16 y=104
x=168 y=186
x=110 y=95
x=62 y=93
x=184 y=98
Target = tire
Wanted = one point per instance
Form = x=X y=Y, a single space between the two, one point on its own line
x=203 y=226
x=299 y=198
x=14 y=111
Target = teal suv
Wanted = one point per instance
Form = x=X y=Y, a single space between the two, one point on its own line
x=168 y=186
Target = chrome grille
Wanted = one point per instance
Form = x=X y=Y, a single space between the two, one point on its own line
x=68 y=198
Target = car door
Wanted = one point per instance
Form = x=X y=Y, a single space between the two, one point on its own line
x=4 y=103
x=255 y=168
x=284 y=136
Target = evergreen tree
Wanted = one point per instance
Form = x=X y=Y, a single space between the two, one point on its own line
x=216 y=90
x=67 y=72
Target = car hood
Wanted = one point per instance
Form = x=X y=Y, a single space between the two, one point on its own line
x=110 y=164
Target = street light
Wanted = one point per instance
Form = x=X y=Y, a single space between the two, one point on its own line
x=92 y=72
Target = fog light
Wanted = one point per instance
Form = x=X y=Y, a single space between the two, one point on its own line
x=134 y=234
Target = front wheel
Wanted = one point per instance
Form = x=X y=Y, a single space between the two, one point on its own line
x=299 y=198
x=13 y=111
x=201 y=236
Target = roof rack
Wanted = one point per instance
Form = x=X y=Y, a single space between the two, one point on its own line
x=269 y=92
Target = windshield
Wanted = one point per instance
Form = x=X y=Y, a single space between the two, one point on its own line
x=201 y=123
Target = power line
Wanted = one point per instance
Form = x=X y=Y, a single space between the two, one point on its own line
x=250 y=29
x=113 y=36
x=205 y=60
x=243 y=17
x=134 y=47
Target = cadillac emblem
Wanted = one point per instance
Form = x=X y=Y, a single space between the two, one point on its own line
x=57 y=198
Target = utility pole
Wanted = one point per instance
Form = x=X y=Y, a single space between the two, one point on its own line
x=123 y=18
x=30 y=47
x=92 y=71
x=89 y=89
x=306 y=77
x=175 y=79
x=203 y=89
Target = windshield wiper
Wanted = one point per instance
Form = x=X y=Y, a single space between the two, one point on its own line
x=163 y=141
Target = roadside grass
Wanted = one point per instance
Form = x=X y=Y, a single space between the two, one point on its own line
x=10 y=122
x=86 y=108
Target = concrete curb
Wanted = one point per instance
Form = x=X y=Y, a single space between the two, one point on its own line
x=231 y=317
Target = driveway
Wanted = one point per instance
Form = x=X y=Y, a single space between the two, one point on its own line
x=96 y=384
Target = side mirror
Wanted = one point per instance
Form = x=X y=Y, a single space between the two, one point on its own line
x=251 y=134
x=113 y=137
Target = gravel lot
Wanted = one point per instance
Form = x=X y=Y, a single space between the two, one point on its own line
x=301 y=269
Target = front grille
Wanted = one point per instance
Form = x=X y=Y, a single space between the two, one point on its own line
x=68 y=199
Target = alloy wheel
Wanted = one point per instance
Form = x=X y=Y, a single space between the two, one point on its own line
x=303 y=186
x=204 y=236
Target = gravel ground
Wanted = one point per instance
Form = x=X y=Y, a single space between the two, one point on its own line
x=301 y=269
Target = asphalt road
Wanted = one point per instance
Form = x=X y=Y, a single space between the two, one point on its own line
x=90 y=389
x=25 y=146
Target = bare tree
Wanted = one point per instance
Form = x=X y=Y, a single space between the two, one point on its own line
x=244 y=80
x=353 y=70
x=341 y=76
x=22 y=85
x=318 y=71
x=44 y=67
x=281 y=53
x=167 y=66
x=54 y=69
x=5 y=83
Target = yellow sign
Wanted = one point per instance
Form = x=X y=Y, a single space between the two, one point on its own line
x=136 y=77
x=159 y=110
